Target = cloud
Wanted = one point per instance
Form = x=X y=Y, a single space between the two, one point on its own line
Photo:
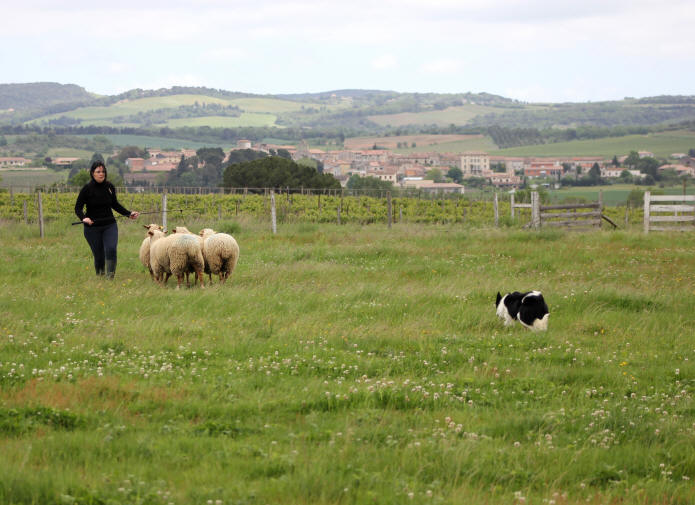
x=384 y=62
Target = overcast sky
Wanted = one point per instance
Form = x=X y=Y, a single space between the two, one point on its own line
x=531 y=50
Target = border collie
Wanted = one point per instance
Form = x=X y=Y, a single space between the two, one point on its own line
x=528 y=308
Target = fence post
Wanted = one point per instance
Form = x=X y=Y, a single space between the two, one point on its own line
x=647 y=195
x=497 y=211
x=40 y=215
x=388 y=200
x=11 y=196
x=164 y=209
x=26 y=213
x=535 y=210
x=219 y=212
x=400 y=213
x=600 y=207
x=511 y=206
x=272 y=212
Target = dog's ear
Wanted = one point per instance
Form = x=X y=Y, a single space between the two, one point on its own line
x=499 y=297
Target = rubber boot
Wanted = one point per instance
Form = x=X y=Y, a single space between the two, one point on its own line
x=110 y=269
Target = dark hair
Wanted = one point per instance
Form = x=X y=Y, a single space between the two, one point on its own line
x=96 y=165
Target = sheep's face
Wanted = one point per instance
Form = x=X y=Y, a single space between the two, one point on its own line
x=181 y=229
x=152 y=226
x=206 y=232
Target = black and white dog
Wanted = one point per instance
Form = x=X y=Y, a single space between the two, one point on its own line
x=527 y=308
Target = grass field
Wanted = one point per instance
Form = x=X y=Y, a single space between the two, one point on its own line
x=612 y=195
x=350 y=365
x=158 y=142
x=422 y=142
x=661 y=144
x=246 y=119
x=452 y=115
x=31 y=177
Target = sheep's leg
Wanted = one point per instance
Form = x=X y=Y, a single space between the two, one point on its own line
x=152 y=274
x=179 y=280
x=166 y=278
x=201 y=278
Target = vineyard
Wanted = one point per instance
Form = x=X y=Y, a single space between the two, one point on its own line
x=298 y=208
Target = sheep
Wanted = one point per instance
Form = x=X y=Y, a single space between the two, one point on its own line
x=145 y=247
x=221 y=252
x=206 y=268
x=175 y=254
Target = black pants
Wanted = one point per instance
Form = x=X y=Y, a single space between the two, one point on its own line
x=103 y=240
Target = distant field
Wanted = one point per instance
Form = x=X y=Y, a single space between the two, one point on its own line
x=612 y=195
x=266 y=105
x=68 y=152
x=420 y=141
x=31 y=177
x=452 y=115
x=246 y=119
x=128 y=107
x=472 y=143
x=158 y=142
x=661 y=144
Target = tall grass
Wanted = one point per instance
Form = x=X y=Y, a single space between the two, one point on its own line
x=350 y=365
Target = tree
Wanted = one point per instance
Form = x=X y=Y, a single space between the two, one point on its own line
x=276 y=172
x=131 y=152
x=455 y=174
x=615 y=161
x=80 y=178
x=595 y=173
x=632 y=159
x=625 y=176
x=691 y=152
x=3 y=141
x=370 y=183
x=649 y=166
x=435 y=174
x=96 y=157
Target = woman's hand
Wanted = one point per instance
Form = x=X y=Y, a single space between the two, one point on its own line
x=134 y=215
x=88 y=221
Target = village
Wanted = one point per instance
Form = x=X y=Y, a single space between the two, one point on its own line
x=407 y=171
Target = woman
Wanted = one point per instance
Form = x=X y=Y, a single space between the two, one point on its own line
x=100 y=228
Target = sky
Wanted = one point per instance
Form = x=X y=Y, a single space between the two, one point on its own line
x=529 y=50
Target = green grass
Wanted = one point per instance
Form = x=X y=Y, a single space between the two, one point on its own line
x=452 y=115
x=661 y=144
x=31 y=177
x=158 y=142
x=350 y=365
x=482 y=143
x=612 y=195
x=245 y=120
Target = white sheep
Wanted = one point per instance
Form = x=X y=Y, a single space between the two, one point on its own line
x=175 y=255
x=145 y=247
x=221 y=252
x=206 y=268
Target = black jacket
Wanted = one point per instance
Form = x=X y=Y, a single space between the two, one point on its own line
x=99 y=199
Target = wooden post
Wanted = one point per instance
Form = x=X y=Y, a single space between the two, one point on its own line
x=164 y=209
x=400 y=213
x=272 y=212
x=388 y=201
x=600 y=207
x=11 y=196
x=236 y=202
x=319 y=203
x=219 y=212
x=647 y=196
x=26 y=213
x=41 y=215
x=511 y=204
x=497 y=211
x=627 y=213
x=535 y=210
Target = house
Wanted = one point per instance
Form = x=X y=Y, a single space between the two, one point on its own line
x=135 y=164
x=63 y=162
x=431 y=187
x=500 y=179
x=610 y=172
x=645 y=154
x=475 y=164
x=243 y=144
x=13 y=162
x=543 y=168
x=679 y=169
